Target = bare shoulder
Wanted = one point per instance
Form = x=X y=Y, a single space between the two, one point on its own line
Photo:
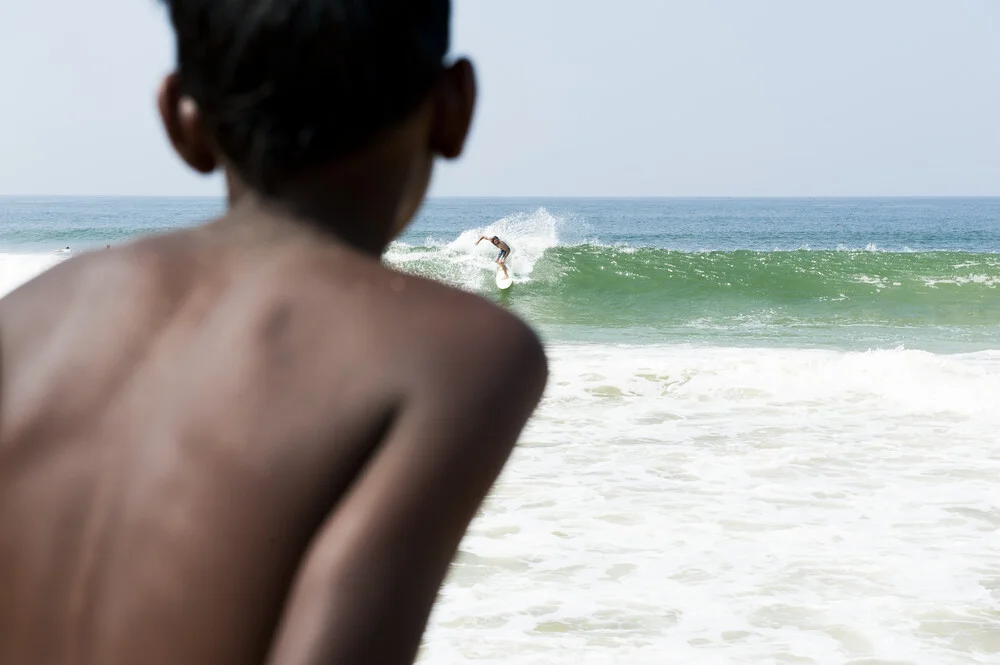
x=105 y=283
x=428 y=330
x=100 y=269
x=474 y=329
x=461 y=338
x=68 y=336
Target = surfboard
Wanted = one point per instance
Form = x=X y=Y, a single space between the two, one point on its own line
x=504 y=282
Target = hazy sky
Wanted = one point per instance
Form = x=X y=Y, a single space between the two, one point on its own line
x=578 y=97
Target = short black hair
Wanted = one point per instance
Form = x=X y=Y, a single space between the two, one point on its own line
x=286 y=85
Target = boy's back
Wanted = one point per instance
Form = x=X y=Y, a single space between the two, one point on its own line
x=250 y=442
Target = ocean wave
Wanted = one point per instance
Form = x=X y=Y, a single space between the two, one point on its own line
x=461 y=262
x=799 y=271
x=562 y=278
x=623 y=285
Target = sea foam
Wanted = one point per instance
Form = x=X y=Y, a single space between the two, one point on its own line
x=682 y=504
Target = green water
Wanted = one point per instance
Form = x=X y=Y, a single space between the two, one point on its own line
x=853 y=298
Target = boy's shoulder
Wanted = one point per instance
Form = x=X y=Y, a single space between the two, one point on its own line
x=461 y=325
x=437 y=327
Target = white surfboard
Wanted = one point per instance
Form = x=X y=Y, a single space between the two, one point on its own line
x=504 y=282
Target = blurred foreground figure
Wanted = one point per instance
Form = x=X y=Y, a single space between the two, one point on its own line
x=250 y=442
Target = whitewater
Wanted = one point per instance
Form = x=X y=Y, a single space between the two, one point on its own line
x=760 y=444
x=696 y=503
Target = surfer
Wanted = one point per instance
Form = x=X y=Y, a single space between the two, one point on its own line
x=504 y=248
x=254 y=442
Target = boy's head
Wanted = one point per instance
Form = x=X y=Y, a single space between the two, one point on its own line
x=278 y=90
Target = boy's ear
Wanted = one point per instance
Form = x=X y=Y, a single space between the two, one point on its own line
x=182 y=120
x=456 y=103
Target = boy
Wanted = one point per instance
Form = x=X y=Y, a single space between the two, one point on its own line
x=250 y=442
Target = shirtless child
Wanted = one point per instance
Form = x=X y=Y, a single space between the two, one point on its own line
x=250 y=442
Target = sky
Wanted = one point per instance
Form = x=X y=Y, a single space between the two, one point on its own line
x=577 y=98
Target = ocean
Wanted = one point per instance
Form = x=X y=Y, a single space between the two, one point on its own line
x=771 y=433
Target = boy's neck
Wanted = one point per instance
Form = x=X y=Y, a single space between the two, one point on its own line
x=353 y=212
x=363 y=201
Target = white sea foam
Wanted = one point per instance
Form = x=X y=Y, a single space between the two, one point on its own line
x=984 y=280
x=16 y=269
x=713 y=505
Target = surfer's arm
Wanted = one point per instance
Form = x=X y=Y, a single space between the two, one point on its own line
x=481 y=238
x=370 y=580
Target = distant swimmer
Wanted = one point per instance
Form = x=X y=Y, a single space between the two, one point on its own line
x=504 y=248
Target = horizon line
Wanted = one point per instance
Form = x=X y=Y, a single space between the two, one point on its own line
x=496 y=197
